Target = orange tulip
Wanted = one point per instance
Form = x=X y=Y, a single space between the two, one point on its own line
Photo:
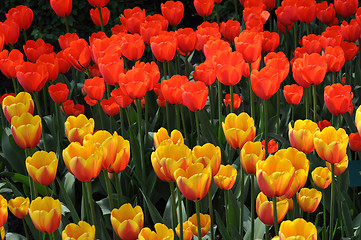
x=272 y=146
x=251 y=153
x=173 y=11
x=164 y=46
x=226 y=177
x=270 y=41
x=293 y=93
x=346 y=8
x=26 y=130
x=204 y=7
x=3 y=210
x=172 y=88
x=187 y=232
x=162 y=138
x=19 y=206
x=230 y=29
x=186 y=39
x=42 y=167
x=355 y=141
x=237 y=101
x=205 y=72
x=309 y=199
x=110 y=106
x=32 y=76
x=264 y=209
x=194 y=95
x=275 y=175
x=78 y=54
x=77 y=127
x=132 y=19
x=265 y=83
x=45 y=214
x=321 y=176
x=121 y=97
x=161 y=232
x=206 y=33
x=94 y=87
x=238 y=129
x=22 y=15
x=59 y=92
x=110 y=66
x=229 y=67
x=301 y=135
x=17 y=105
x=338 y=98
x=79 y=231
x=208 y=154
x=127 y=221
x=136 y=82
x=205 y=224
x=215 y=45
x=335 y=58
x=94 y=14
x=150 y=29
x=65 y=40
x=9 y=61
x=51 y=64
x=11 y=31
x=331 y=144
x=62 y=8
x=297 y=229
x=249 y=44
x=64 y=65
x=132 y=46
x=325 y=13
x=34 y=49
x=340 y=167
x=84 y=162
x=159 y=19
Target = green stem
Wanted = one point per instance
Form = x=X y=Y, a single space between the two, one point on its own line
x=25 y=35
x=217 y=14
x=66 y=24
x=199 y=226
x=197 y=126
x=101 y=19
x=211 y=99
x=242 y=203
x=45 y=97
x=251 y=94
x=314 y=93
x=308 y=28
x=333 y=77
x=275 y=219
x=51 y=236
x=89 y=192
x=187 y=65
x=177 y=117
x=340 y=213
x=267 y=232
x=109 y=188
x=253 y=216
x=307 y=99
x=295 y=37
x=33 y=190
x=220 y=105
x=180 y=214
x=183 y=122
x=140 y=136
x=58 y=129
x=37 y=103
x=265 y=126
x=236 y=9
x=296 y=210
x=121 y=117
x=118 y=188
x=15 y=86
x=211 y=213
x=278 y=112
x=167 y=112
x=25 y=229
x=232 y=98
x=100 y=114
x=174 y=206
x=293 y=113
x=226 y=210
x=146 y=116
x=332 y=201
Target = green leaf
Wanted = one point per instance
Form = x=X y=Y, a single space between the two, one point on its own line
x=259 y=230
x=14 y=155
x=68 y=201
x=222 y=229
x=155 y=215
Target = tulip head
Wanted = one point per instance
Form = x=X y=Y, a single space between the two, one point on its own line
x=297 y=229
x=161 y=232
x=301 y=135
x=77 y=127
x=162 y=137
x=264 y=209
x=26 y=130
x=251 y=153
x=17 y=105
x=208 y=154
x=309 y=199
x=42 y=167
x=322 y=177
x=80 y=231
x=19 y=206
x=226 y=177
x=205 y=223
x=3 y=210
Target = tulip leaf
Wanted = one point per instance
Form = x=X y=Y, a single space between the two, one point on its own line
x=14 y=236
x=222 y=229
x=64 y=193
x=207 y=129
x=14 y=155
x=350 y=122
x=347 y=221
x=259 y=232
x=155 y=215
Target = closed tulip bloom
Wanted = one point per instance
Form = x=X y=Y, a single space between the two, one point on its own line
x=50 y=61
x=230 y=29
x=323 y=124
x=238 y=129
x=45 y=214
x=309 y=199
x=249 y=44
x=159 y=19
x=80 y=231
x=251 y=153
x=94 y=14
x=172 y=89
x=270 y=41
x=94 y=87
x=98 y=3
x=350 y=50
x=3 y=210
x=335 y=58
x=331 y=37
x=346 y=8
x=187 y=232
x=127 y=221
x=84 y=162
x=264 y=209
x=226 y=177
x=161 y=232
x=135 y=82
x=206 y=33
x=19 y=206
x=204 y=7
x=301 y=164
x=265 y=83
x=32 y=76
x=358 y=119
x=173 y=11
x=322 y=177
x=110 y=106
x=340 y=167
x=11 y=31
x=17 y=105
x=331 y=144
x=64 y=65
x=237 y=100
x=162 y=137
x=208 y=154
x=194 y=182
x=312 y=43
x=293 y=93
x=350 y=31
x=71 y=109
x=297 y=229
x=150 y=29
x=132 y=46
x=132 y=19
x=338 y=98
x=194 y=95
x=229 y=67
x=275 y=175
x=301 y=135
x=205 y=224
x=110 y=66
x=272 y=146
x=355 y=141
x=9 y=61
x=34 y=49
x=26 y=130
x=325 y=13
x=215 y=45
x=65 y=40
x=59 y=92
x=164 y=46
x=205 y=72
x=22 y=15
x=121 y=97
x=42 y=167
x=309 y=70
x=62 y=8
x=78 y=54
x=77 y=127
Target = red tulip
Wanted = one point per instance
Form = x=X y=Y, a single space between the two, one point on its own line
x=335 y=58
x=62 y=8
x=172 y=89
x=164 y=46
x=173 y=11
x=78 y=54
x=351 y=31
x=51 y=63
x=350 y=50
x=265 y=83
x=110 y=106
x=58 y=92
x=66 y=39
x=32 y=76
x=213 y=46
x=10 y=30
x=204 y=7
x=94 y=14
x=312 y=43
x=152 y=70
x=205 y=72
x=132 y=46
x=22 y=15
x=338 y=98
x=306 y=10
x=110 y=66
x=98 y=3
x=132 y=19
x=249 y=44
x=194 y=95
x=63 y=64
x=186 y=39
x=346 y=8
x=230 y=29
x=204 y=34
x=121 y=97
x=107 y=46
x=331 y=37
x=34 y=49
x=293 y=93
x=135 y=82
x=8 y=62
x=272 y=146
x=270 y=41
x=237 y=101
x=97 y=35
x=150 y=29
x=159 y=19
x=95 y=87
x=70 y=109
x=325 y=13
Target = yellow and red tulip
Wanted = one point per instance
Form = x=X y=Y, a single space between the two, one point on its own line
x=205 y=224
x=309 y=199
x=15 y=106
x=187 y=232
x=161 y=232
x=80 y=231
x=208 y=154
x=264 y=209
x=162 y=137
x=26 y=130
x=19 y=206
x=297 y=229
x=77 y=127
x=251 y=153
x=3 y=210
x=340 y=167
x=42 y=167
x=226 y=177
x=322 y=177
x=45 y=214
x=301 y=135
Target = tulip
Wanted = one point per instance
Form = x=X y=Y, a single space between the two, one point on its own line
x=32 y=76
x=127 y=221
x=10 y=30
x=293 y=93
x=345 y=8
x=265 y=83
x=272 y=146
x=94 y=87
x=45 y=214
x=17 y=105
x=297 y=229
x=350 y=31
x=238 y=129
x=331 y=144
x=9 y=60
x=229 y=67
x=264 y=209
x=204 y=7
x=110 y=66
x=301 y=135
x=132 y=46
x=164 y=46
x=26 y=130
x=205 y=72
x=77 y=127
x=338 y=98
x=78 y=54
x=230 y=29
x=350 y=50
x=206 y=33
x=208 y=154
x=64 y=65
x=80 y=231
x=19 y=206
x=158 y=19
x=42 y=167
x=321 y=176
x=226 y=177
x=323 y=124
x=22 y=15
x=135 y=82
x=132 y=19
x=70 y=109
x=309 y=199
x=194 y=182
x=3 y=210
x=62 y=8
x=110 y=106
x=150 y=29
x=331 y=37
x=161 y=232
x=65 y=40
x=51 y=64
x=59 y=92
x=249 y=44
x=162 y=137
x=251 y=153
x=215 y=45
x=121 y=97
x=187 y=232
x=325 y=13
x=237 y=101
x=95 y=16
x=194 y=95
x=205 y=224
x=340 y=167
x=270 y=41
x=34 y=49
x=173 y=11
x=335 y=58
x=355 y=141
x=84 y=162
x=172 y=89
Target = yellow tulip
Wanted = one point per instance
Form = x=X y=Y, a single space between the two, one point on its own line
x=297 y=229
x=80 y=231
x=322 y=177
x=208 y=154
x=19 y=206
x=187 y=232
x=42 y=167
x=2 y=232
x=358 y=119
x=205 y=224
x=226 y=177
x=26 y=130
x=264 y=209
x=251 y=153
x=15 y=106
x=301 y=135
x=127 y=221
x=162 y=232
x=340 y=167
x=3 y=210
x=45 y=214
x=239 y=129
x=77 y=127
x=162 y=137
x=309 y=199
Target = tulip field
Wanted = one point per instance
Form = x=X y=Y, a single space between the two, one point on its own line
x=244 y=126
